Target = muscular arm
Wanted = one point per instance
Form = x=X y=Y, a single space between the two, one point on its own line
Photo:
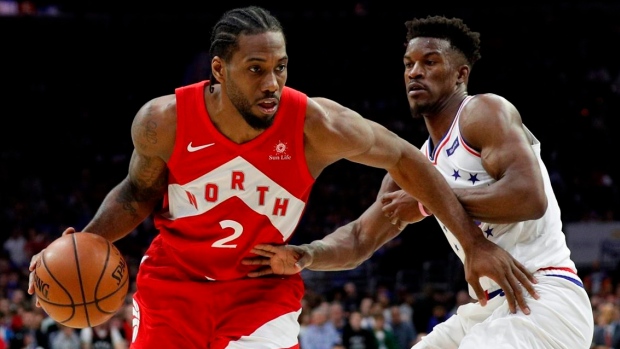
x=135 y=197
x=492 y=125
x=358 y=240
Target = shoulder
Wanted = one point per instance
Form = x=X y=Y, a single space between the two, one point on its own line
x=489 y=102
x=154 y=126
x=326 y=111
x=327 y=117
x=489 y=108
x=333 y=132
x=488 y=117
x=163 y=107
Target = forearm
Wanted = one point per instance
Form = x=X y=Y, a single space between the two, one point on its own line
x=336 y=251
x=352 y=244
x=419 y=178
x=119 y=213
x=505 y=201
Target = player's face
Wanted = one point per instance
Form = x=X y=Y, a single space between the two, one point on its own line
x=255 y=77
x=430 y=76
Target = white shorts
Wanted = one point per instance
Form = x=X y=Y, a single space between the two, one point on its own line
x=560 y=319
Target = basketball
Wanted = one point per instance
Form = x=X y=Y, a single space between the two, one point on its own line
x=81 y=280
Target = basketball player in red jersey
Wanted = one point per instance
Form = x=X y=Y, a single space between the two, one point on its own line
x=232 y=161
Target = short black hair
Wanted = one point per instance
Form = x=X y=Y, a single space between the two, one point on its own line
x=233 y=23
x=454 y=30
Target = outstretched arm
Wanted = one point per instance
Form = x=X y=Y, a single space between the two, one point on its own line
x=346 y=248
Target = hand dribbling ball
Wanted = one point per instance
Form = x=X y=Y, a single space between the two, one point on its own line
x=81 y=280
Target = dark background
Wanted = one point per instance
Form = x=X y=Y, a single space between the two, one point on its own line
x=71 y=83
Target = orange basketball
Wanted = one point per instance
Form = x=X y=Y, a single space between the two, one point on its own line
x=81 y=280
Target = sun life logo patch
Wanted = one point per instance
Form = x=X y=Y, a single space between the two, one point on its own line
x=280 y=152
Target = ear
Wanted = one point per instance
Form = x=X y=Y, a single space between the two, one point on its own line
x=463 y=76
x=217 y=68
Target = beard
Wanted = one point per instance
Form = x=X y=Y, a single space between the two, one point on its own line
x=245 y=109
x=418 y=110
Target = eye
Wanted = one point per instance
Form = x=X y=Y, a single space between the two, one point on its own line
x=430 y=62
x=281 y=67
x=255 y=69
x=408 y=65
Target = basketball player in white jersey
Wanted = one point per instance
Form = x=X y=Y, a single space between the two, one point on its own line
x=493 y=164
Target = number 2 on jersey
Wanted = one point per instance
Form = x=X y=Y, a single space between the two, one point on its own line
x=237 y=230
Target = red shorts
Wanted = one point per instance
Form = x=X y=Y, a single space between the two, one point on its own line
x=171 y=311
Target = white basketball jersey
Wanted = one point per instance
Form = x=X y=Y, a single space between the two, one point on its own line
x=536 y=243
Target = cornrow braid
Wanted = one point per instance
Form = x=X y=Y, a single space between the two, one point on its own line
x=452 y=29
x=247 y=20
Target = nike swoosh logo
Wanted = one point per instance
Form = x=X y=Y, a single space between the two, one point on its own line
x=192 y=149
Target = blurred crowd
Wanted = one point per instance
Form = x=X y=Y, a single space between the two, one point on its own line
x=566 y=85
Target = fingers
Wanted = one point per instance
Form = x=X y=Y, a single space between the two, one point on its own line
x=513 y=301
x=255 y=261
x=31 y=283
x=68 y=231
x=260 y=272
x=527 y=280
x=520 y=299
x=480 y=294
x=33 y=265
x=262 y=252
x=34 y=260
x=513 y=291
x=387 y=198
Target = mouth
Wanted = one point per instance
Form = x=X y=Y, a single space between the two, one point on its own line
x=268 y=106
x=415 y=88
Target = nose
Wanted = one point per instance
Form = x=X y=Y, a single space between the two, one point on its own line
x=270 y=83
x=415 y=71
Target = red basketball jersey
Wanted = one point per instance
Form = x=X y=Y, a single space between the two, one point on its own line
x=224 y=198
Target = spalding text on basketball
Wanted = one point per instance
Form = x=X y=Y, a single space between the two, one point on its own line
x=117 y=274
x=41 y=285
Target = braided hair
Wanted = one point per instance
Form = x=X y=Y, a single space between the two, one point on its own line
x=233 y=23
x=459 y=35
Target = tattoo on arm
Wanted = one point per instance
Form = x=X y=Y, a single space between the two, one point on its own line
x=150 y=132
x=146 y=185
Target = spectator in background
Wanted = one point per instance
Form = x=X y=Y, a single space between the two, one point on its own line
x=320 y=334
x=126 y=321
x=383 y=335
x=5 y=332
x=15 y=246
x=598 y=281
x=65 y=338
x=403 y=329
x=337 y=316
x=606 y=327
x=438 y=315
x=36 y=241
x=351 y=298
x=355 y=336
x=106 y=335
x=366 y=305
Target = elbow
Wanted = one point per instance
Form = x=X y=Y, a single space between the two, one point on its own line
x=541 y=207
x=536 y=205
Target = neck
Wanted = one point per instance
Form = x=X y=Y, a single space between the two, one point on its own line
x=439 y=121
x=227 y=120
